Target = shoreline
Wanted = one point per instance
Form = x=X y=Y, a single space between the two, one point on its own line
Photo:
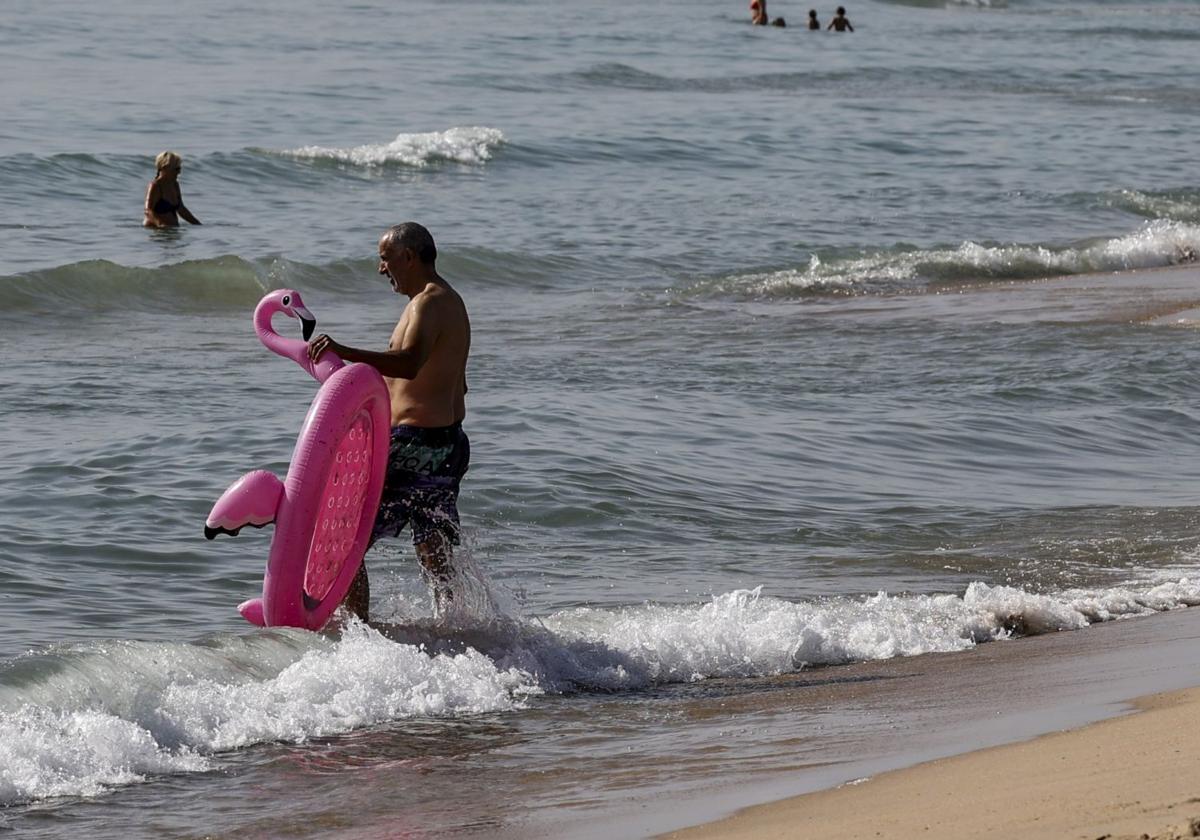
x=1127 y=777
x=1128 y=773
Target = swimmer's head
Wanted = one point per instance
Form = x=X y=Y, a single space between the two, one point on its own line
x=167 y=160
x=841 y=11
x=412 y=236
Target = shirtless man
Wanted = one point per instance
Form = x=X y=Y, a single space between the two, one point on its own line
x=425 y=370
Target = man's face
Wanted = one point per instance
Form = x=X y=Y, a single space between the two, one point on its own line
x=393 y=262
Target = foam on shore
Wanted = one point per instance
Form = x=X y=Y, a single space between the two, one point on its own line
x=76 y=720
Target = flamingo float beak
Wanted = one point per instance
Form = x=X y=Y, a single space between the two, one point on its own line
x=307 y=322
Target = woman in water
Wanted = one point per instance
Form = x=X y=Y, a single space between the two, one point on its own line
x=813 y=23
x=164 y=201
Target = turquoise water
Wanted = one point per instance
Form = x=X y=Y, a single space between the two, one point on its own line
x=748 y=393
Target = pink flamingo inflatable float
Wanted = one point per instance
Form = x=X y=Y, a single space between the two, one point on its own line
x=324 y=510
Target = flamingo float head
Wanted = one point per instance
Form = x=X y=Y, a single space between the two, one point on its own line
x=289 y=302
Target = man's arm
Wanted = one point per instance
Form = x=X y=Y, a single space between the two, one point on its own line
x=403 y=362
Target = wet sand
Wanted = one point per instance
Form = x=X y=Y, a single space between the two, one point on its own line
x=1132 y=777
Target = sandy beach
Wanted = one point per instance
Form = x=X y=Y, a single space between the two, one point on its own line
x=1136 y=775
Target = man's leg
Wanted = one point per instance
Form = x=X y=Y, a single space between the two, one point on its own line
x=358 y=599
x=436 y=556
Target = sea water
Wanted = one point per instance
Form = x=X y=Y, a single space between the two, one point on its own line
x=725 y=424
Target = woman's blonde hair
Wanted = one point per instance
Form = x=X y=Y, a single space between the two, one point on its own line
x=165 y=160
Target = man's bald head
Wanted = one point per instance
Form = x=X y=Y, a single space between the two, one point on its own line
x=412 y=236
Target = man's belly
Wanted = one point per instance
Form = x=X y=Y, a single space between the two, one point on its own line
x=414 y=408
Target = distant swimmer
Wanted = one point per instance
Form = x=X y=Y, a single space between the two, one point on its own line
x=758 y=14
x=840 y=22
x=813 y=23
x=425 y=367
x=164 y=201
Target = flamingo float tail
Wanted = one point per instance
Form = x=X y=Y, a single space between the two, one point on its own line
x=252 y=611
x=251 y=500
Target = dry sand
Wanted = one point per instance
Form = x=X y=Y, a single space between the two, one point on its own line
x=1131 y=777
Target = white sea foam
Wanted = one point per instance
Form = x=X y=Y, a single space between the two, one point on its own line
x=471 y=145
x=365 y=679
x=77 y=721
x=118 y=713
x=1157 y=243
x=45 y=753
x=746 y=633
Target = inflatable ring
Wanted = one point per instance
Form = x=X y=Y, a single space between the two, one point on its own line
x=324 y=510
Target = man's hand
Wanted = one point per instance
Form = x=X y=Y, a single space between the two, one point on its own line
x=320 y=344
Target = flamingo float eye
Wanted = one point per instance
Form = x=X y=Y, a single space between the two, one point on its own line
x=287 y=300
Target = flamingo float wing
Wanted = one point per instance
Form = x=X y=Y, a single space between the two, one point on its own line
x=251 y=500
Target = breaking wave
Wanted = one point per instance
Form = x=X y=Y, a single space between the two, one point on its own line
x=77 y=720
x=1179 y=205
x=1158 y=243
x=473 y=145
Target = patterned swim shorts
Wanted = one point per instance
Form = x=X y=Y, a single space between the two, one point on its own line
x=425 y=467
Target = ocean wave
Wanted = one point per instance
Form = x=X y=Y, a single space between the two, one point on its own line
x=906 y=80
x=233 y=283
x=80 y=720
x=26 y=171
x=1159 y=243
x=110 y=715
x=99 y=285
x=951 y=4
x=747 y=634
x=624 y=76
x=1178 y=205
x=1142 y=33
x=472 y=145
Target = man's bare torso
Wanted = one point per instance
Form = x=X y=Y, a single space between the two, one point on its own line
x=437 y=395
